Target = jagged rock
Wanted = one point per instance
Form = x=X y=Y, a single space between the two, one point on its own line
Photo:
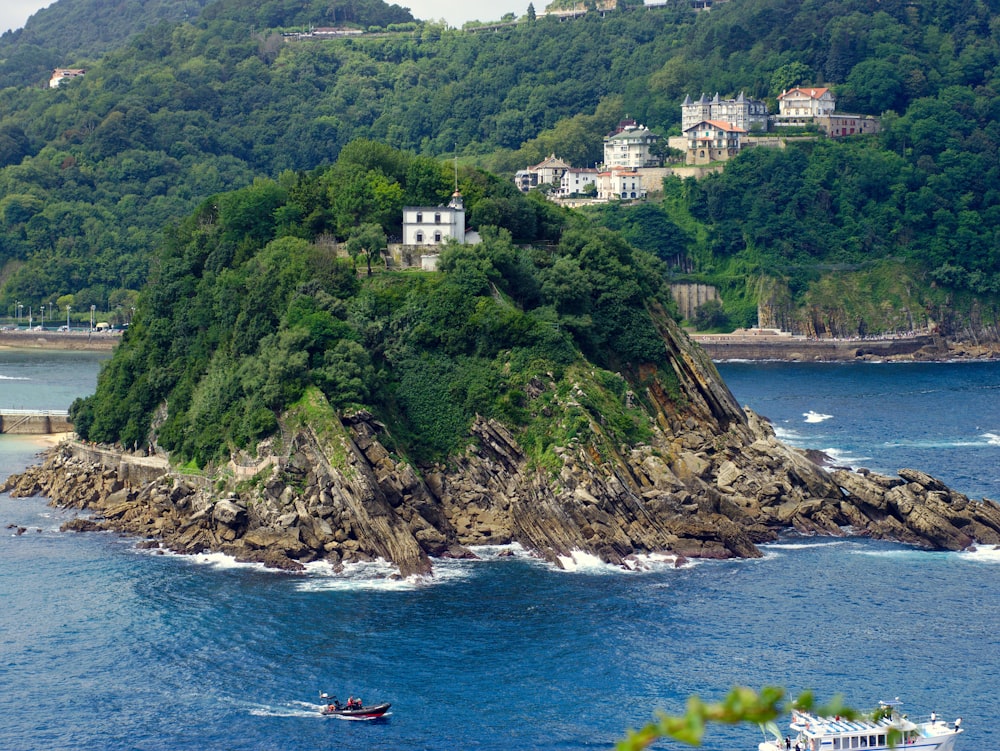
x=712 y=481
x=80 y=525
x=229 y=513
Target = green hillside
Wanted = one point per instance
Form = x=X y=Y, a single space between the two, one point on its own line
x=91 y=173
x=248 y=309
x=72 y=33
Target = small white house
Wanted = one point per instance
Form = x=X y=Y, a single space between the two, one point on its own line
x=434 y=225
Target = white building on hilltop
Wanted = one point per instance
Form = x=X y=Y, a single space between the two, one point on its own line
x=575 y=181
x=630 y=146
x=434 y=225
x=805 y=101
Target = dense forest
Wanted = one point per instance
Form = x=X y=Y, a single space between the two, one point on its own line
x=248 y=312
x=90 y=173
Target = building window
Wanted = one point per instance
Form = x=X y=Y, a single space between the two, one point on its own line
x=437 y=237
x=420 y=218
x=420 y=235
x=437 y=219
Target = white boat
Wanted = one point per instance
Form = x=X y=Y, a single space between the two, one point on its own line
x=811 y=732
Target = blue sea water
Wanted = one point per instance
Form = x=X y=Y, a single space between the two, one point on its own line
x=103 y=646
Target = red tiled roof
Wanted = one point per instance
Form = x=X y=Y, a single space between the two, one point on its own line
x=813 y=92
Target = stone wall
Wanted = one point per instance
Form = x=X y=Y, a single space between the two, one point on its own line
x=56 y=340
x=41 y=423
x=132 y=468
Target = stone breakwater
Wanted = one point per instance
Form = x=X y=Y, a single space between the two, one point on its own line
x=802 y=349
x=344 y=497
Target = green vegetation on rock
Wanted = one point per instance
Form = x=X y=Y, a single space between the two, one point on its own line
x=251 y=309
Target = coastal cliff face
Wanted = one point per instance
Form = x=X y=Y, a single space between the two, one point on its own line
x=712 y=481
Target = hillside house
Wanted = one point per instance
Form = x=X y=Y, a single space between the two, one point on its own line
x=434 y=225
x=805 y=102
x=743 y=112
x=713 y=141
x=64 y=74
x=549 y=170
x=630 y=146
x=841 y=124
x=575 y=180
x=619 y=183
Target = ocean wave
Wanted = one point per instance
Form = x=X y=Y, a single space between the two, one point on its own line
x=981 y=440
x=803 y=545
x=14 y=378
x=982 y=554
x=816 y=416
x=841 y=458
x=786 y=434
x=579 y=561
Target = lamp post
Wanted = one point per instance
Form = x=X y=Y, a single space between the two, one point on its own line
x=93 y=308
x=20 y=307
x=43 y=316
x=68 y=309
x=29 y=317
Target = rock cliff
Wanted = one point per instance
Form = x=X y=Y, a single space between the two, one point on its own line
x=712 y=481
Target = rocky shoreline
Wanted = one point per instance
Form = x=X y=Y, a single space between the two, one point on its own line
x=711 y=481
x=715 y=501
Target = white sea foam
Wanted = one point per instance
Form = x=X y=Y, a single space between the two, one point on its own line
x=292 y=709
x=13 y=378
x=579 y=561
x=787 y=435
x=839 y=458
x=982 y=554
x=816 y=416
x=803 y=545
x=993 y=439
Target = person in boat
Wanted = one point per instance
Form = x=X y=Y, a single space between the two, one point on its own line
x=958 y=723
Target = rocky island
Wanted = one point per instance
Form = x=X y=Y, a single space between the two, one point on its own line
x=711 y=482
x=275 y=400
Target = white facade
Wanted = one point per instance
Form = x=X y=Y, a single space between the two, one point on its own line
x=630 y=146
x=620 y=184
x=575 y=180
x=808 y=101
x=434 y=225
x=748 y=114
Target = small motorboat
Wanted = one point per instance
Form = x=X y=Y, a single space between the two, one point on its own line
x=353 y=710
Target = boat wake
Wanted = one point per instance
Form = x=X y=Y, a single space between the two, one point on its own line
x=292 y=709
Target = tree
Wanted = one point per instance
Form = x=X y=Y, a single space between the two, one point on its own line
x=530 y=13
x=369 y=240
x=789 y=76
